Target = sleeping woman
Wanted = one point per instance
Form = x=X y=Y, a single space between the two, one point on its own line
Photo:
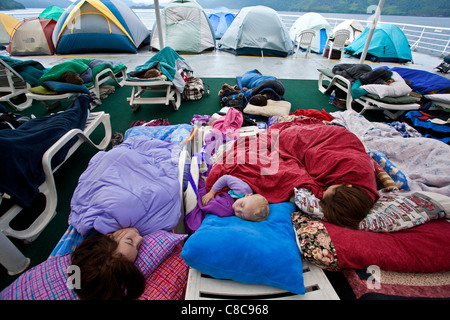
x=327 y=160
x=123 y=195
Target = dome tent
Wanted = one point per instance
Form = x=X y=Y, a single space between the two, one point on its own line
x=388 y=44
x=32 y=37
x=7 y=25
x=185 y=27
x=221 y=18
x=257 y=30
x=99 y=26
x=316 y=22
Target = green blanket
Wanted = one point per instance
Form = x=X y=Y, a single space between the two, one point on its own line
x=166 y=58
x=85 y=68
x=169 y=62
x=30 y=70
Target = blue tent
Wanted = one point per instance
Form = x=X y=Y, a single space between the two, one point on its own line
x=221 y=18
x=389 y=44
x=99 y=26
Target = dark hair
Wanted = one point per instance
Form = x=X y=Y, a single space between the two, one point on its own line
x=346 y=207
x=106 y=274
x=151 y=73
x=71 y=77
x=258 y=100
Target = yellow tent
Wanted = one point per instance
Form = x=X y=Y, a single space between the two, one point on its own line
x=7 y=24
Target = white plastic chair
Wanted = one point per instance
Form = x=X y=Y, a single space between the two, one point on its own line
x=12 y=85
x=10 y=256
x=304 y=38
x=337 y=40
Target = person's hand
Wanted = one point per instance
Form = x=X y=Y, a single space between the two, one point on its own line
x=207 y=197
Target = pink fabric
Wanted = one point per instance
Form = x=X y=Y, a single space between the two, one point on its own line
x=232 y=121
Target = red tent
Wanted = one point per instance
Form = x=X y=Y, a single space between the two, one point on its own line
x=32 y=37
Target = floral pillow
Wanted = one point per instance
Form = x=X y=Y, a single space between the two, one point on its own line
x=315 y=242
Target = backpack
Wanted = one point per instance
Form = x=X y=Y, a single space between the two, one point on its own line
x=233 y=99
x=194 y=89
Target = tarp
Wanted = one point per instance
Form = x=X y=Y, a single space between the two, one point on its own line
x=99 y=26
x=185 y=28
x=7 y=24
x=52 y=12
x=257 y=30
x=33 y=37
x=388 y=44
x=316 y=22
x=221 y=18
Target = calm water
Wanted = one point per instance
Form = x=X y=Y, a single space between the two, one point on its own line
x=147 y=16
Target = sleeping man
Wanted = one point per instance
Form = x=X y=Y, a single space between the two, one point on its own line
x=381 y=82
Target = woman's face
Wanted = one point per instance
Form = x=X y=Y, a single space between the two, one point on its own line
x=129 y=241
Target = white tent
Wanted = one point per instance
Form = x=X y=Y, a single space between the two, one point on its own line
x=314 y=21
x=257 y=30
x=185 y=27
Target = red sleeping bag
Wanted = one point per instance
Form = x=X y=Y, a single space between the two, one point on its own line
x=303 y=153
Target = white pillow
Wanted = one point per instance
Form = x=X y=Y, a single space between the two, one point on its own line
x=398 y=88
x=307 y=202
x=273 y=108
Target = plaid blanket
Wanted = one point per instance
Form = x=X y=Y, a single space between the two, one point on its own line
x=49 y=280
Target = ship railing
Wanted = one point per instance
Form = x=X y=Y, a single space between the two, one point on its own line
x=432 y=40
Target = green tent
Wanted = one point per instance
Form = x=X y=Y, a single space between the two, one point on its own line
x=257 y=30
x=389 y=44
x=52 y=12
x=185 y=27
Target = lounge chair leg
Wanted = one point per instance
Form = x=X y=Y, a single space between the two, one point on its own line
x=50 y=106
x=11 y=258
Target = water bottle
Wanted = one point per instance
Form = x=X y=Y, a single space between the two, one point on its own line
x=332 y=96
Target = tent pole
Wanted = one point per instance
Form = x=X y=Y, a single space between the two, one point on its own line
x=158 y=24
x=371 y=31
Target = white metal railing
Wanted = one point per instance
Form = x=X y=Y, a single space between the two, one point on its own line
x=432 y=40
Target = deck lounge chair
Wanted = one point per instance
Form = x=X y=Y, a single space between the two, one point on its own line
x=51 y=99
x=13 y=86
x=201 y=286
x=335 y=81
x=171 y=65
x=17 y=77
x=392 y=107
x=10 y=257
x=172 y=96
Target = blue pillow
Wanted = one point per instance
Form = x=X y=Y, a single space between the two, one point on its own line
x=399 y=177
x=263 y=252
x=62 y=87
